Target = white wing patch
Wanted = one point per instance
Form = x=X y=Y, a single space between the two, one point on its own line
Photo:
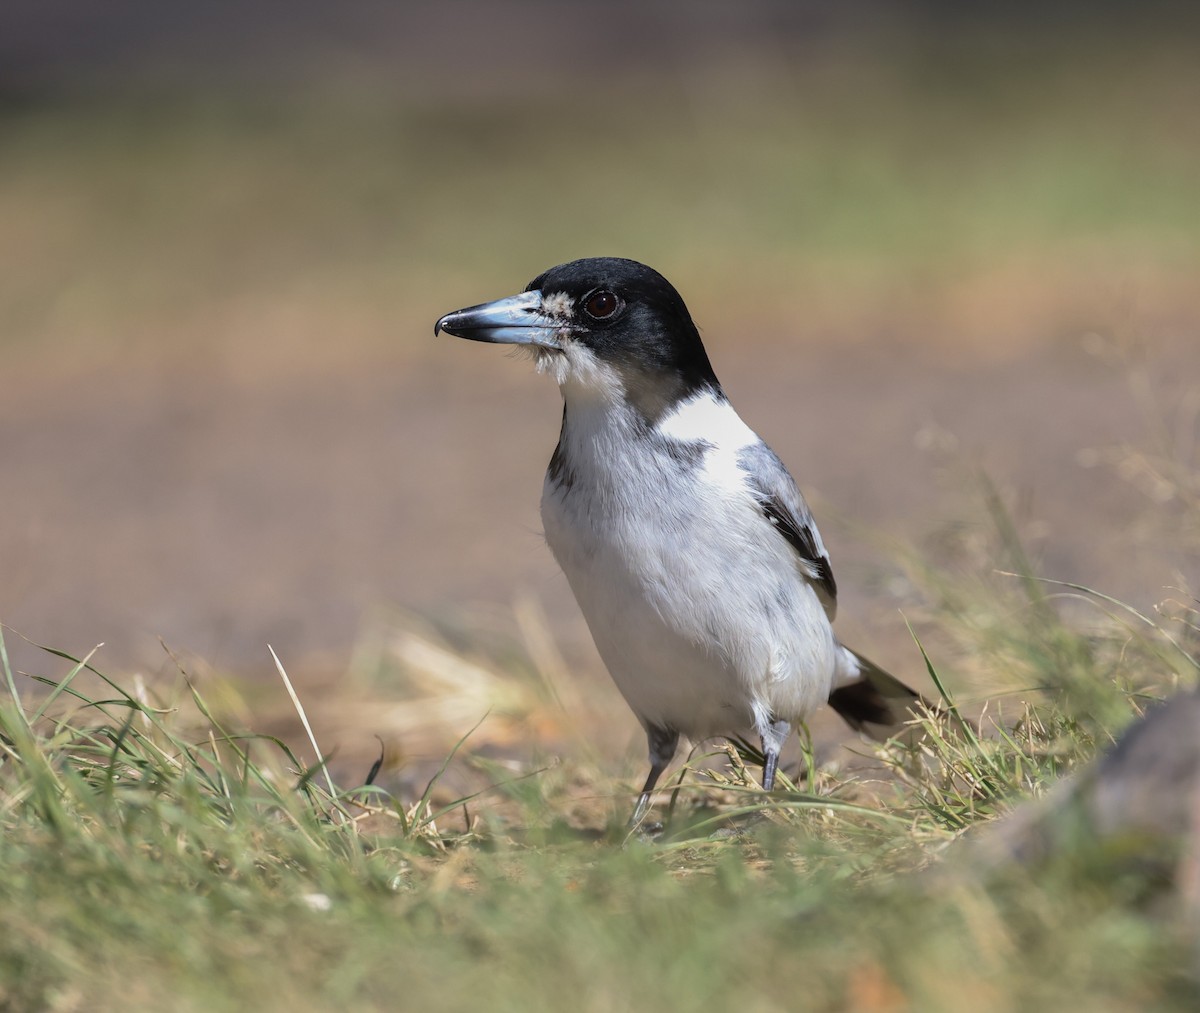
x=709 y=417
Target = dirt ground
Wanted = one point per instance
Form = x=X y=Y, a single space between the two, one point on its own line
x=912 y=267
x=224 y=513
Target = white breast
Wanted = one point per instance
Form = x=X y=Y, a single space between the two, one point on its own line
x=697 y=606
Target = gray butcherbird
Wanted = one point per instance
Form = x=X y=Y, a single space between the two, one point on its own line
x=691 y=552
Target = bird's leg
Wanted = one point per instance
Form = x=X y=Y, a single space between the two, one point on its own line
x=662 y=744
x=773 y=739
x=769 y=765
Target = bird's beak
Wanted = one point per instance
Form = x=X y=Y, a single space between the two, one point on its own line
x=517 y=320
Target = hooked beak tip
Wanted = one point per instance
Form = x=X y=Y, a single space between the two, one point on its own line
x=515 y=320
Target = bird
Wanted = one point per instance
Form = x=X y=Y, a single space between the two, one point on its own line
x=689 y=548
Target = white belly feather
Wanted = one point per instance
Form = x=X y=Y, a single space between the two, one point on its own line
x=699 y=609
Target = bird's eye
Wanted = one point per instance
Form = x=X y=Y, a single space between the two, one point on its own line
x=602 y=304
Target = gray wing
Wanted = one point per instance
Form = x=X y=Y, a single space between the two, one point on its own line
x=784 y=506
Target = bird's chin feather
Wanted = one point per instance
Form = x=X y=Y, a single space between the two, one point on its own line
x=545 y=360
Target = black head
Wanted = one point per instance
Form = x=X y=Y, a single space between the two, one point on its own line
x=598 y=321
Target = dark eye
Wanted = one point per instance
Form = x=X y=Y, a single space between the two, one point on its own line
x=602 y=304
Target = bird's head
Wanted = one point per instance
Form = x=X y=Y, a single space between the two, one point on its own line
x=603 y=326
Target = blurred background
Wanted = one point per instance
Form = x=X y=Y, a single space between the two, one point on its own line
x=924 y=243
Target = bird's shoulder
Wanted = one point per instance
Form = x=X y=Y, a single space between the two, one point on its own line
x=783 y=505
x=708 y=419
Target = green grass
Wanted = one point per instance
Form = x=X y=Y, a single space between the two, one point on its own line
x=151 y=858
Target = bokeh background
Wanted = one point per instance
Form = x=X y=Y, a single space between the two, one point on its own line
x=925 y=243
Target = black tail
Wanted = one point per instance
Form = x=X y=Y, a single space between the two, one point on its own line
x=876 y=703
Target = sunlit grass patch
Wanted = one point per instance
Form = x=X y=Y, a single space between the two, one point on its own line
x=151 y=856
x=156 y=854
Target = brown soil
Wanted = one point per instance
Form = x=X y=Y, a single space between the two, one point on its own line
x=222 y=511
